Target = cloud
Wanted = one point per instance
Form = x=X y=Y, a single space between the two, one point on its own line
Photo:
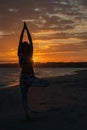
x=46 y=33
x=37 y=9
x=84 y=43
x=2 y=33
x=37 y=22
x=28 y=20
x=63 y=48
x=59 y=26
x=13 y=10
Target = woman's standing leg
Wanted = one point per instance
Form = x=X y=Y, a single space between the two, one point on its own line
x=24 y=91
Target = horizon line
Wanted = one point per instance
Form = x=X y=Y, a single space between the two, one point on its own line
x=1 y=62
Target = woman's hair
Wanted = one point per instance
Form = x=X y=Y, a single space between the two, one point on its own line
x=25 y=48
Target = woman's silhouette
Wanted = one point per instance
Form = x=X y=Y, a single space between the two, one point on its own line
x=27 y=77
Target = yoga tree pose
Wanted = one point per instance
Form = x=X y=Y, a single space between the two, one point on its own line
x=27 y=76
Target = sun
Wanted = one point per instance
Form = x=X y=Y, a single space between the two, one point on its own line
x=35 y=59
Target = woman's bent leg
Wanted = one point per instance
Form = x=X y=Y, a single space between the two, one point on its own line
x=39 y=82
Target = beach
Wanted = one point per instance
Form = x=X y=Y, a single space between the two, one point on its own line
x=62 y=105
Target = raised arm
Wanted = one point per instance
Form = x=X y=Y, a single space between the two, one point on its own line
x=20 y=41
x=29 y=37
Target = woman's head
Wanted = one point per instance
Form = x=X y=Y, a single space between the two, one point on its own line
x=25 y=48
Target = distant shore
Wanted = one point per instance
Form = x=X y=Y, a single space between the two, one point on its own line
x=61 y=105
x=51 y=64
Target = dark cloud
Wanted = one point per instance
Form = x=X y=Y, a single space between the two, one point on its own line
x=62 y=14
x=64 y=48
x=69 y=48
x=84 y=45
x=62 y=19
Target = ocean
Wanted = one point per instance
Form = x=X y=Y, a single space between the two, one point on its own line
x=10 y=76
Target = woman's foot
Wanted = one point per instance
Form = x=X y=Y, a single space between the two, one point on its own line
x=28 y=116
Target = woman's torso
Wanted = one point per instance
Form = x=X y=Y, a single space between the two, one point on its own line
x=26 y=63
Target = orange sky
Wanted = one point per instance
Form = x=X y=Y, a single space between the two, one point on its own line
x=58 y=29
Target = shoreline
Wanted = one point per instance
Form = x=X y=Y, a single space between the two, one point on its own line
x=61 y=105
x=73 y=72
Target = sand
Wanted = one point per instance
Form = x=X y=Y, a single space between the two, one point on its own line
x=62 y=105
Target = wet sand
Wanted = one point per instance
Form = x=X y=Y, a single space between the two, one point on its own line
x=62 y=105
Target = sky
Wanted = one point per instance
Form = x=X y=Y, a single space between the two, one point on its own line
x=58 y=29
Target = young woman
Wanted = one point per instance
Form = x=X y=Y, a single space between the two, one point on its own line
x=27 y=77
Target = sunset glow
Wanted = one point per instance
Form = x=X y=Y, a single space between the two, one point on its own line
x=58 y=29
